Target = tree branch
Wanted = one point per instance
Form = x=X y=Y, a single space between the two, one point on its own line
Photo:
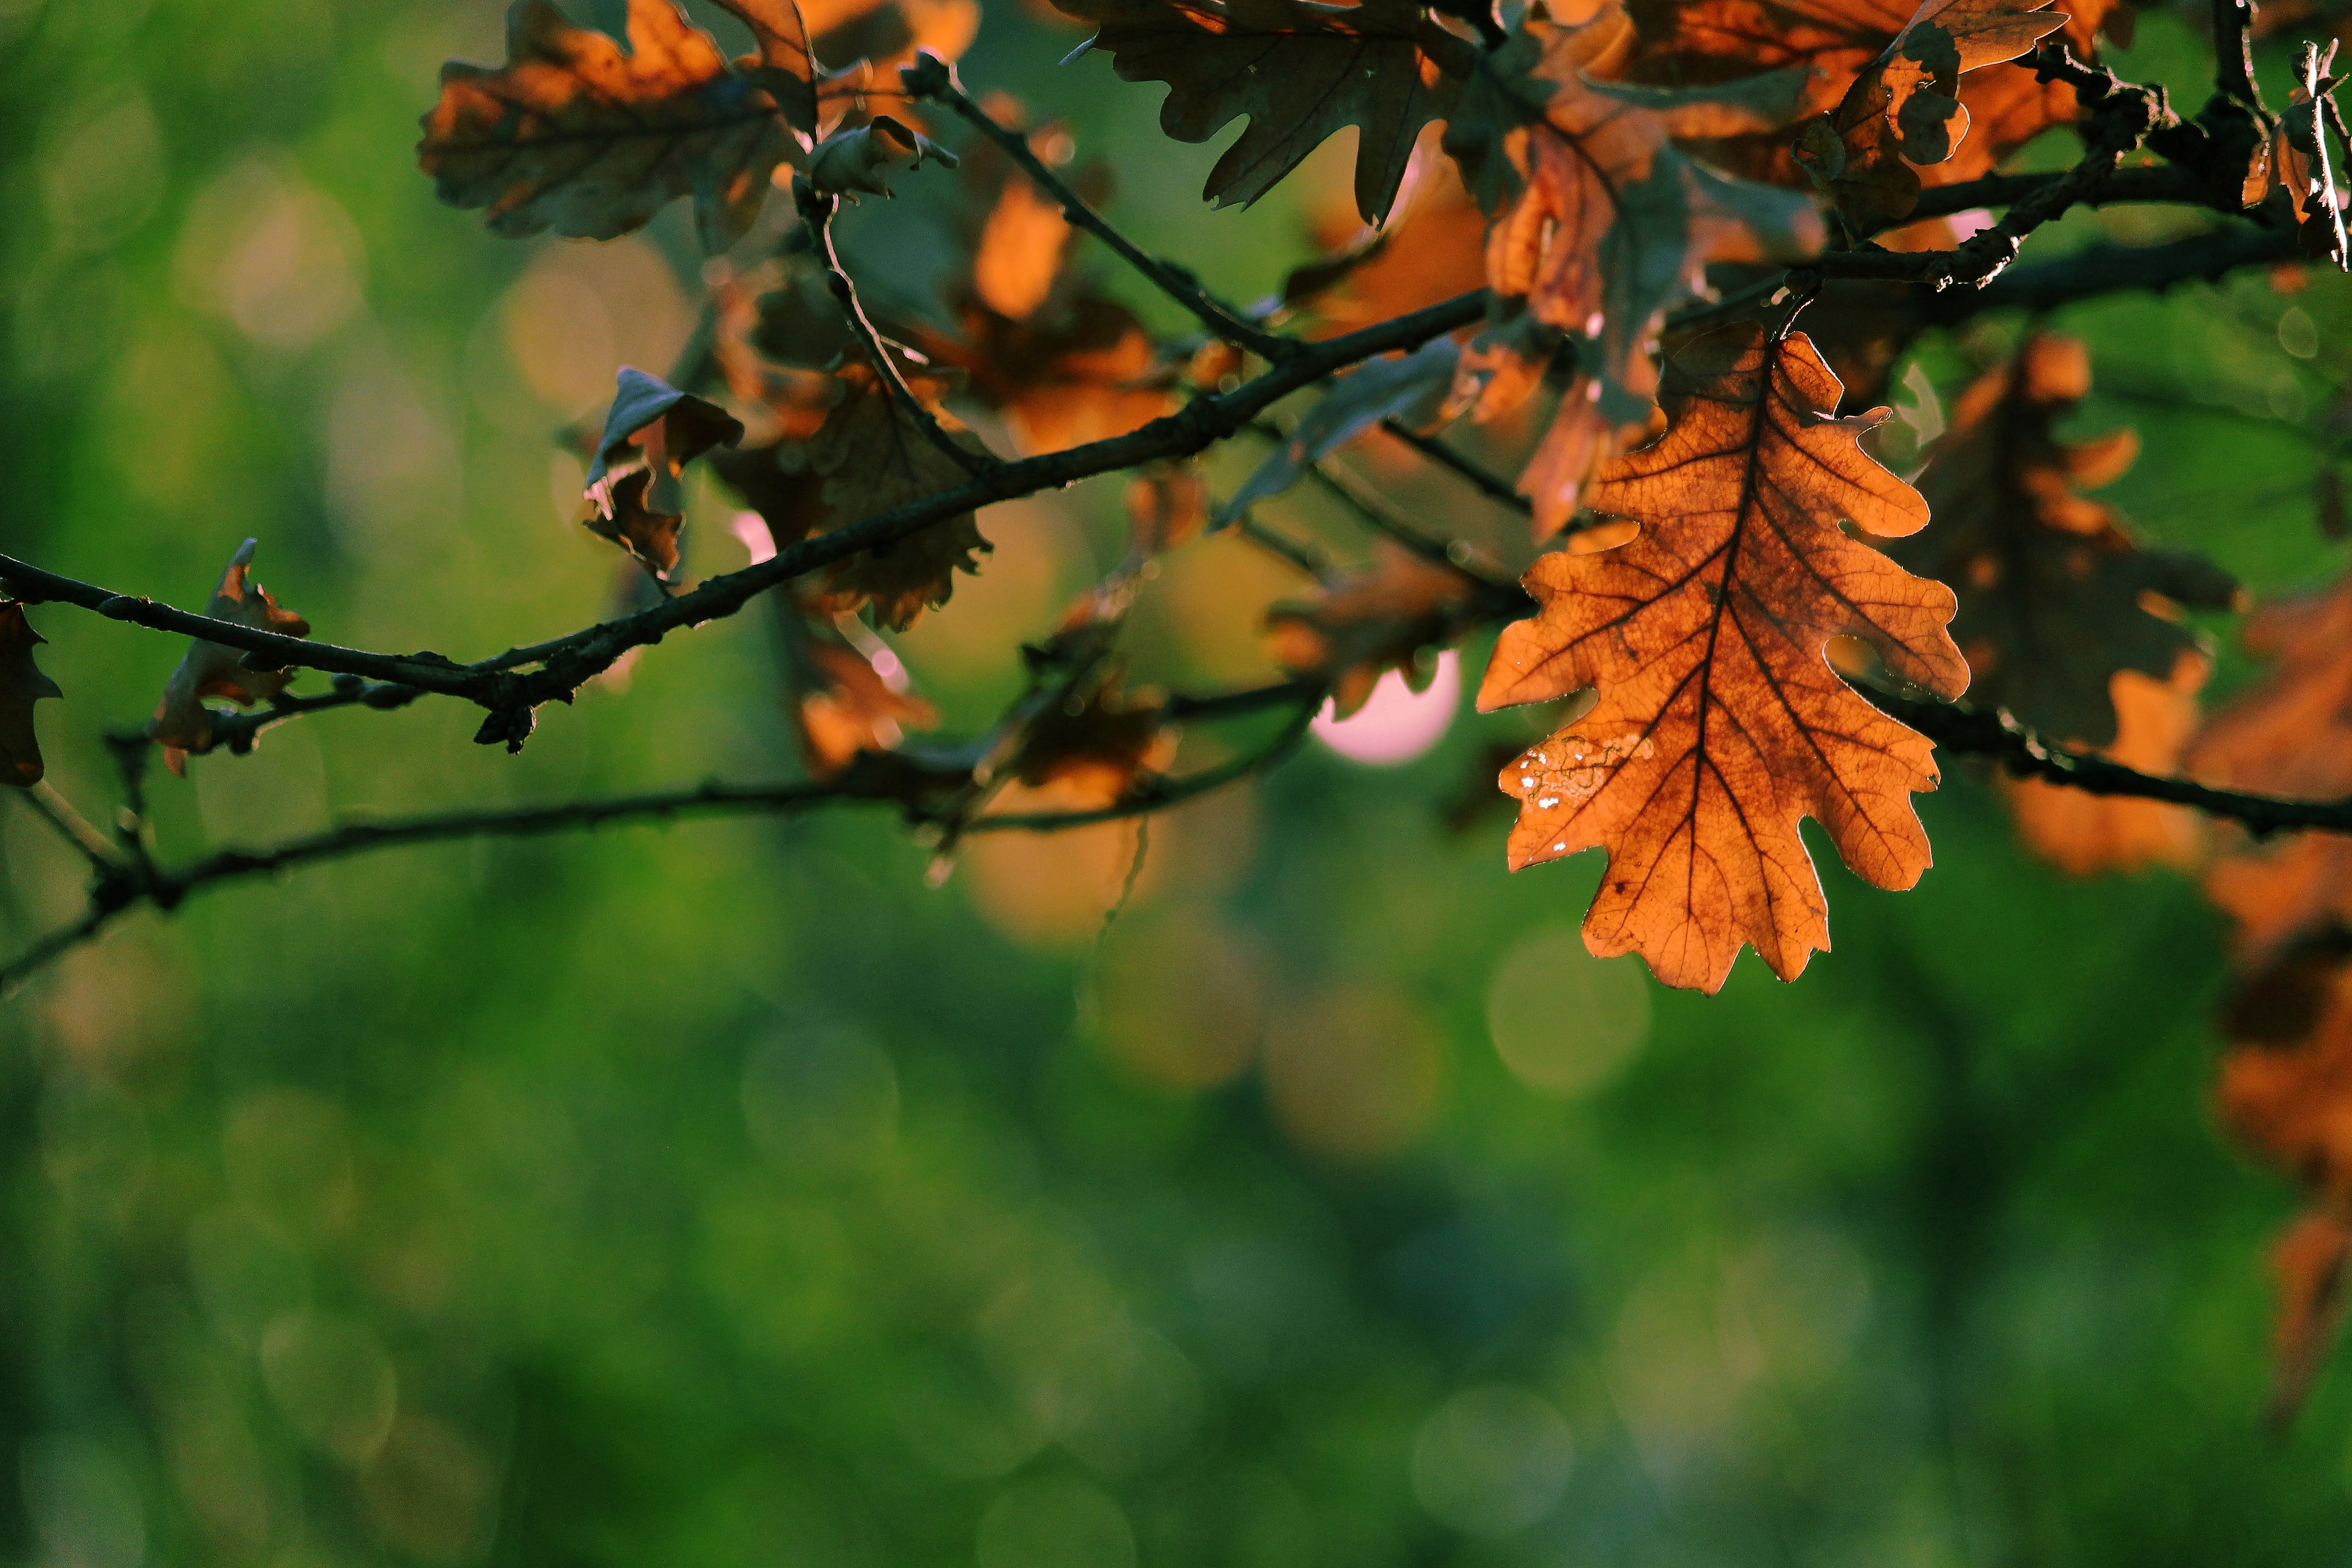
x=569 y=661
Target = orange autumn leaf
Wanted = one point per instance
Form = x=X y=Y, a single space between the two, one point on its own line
x=840 y=700
x=1718 y=725
x=22 y=684
x=1302 y=71
x=2081 y=833
x=1601 y=223
x=183 y=723
x=1430 y=249
x=574 y=133
x=2055 y=594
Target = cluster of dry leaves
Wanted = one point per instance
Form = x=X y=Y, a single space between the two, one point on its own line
x=1718 y=553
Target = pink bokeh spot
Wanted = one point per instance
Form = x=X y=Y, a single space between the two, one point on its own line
x=1398 y=723
x=1968 y=225
x=751 y=530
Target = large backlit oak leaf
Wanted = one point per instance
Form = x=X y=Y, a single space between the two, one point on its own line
x=1601 y=224
x=1302 y=71
x=2057 y=596
x=22 y=684
x=183 y=723
x=1717 y=725
x=577 y=135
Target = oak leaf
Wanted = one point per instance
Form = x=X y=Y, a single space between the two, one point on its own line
x=1503 y=366
x=1717 y=725
x=635 y=495
x=1430 y=248
x=183 y=723
x=22 y=684
x=1167 y=506
x=1392 y=614
x=1601 y=224
x=2285 y=1092
x=2055 y=594
x=576 y=135
x=1300 y=71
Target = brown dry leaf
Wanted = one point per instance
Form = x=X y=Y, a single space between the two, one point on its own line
x=22 y=684
x=653 y=430
x=1300 y=71
x=2082 y=833
x=1601 y=223
x=871 y=457
x=1501 y=369
x=841 y=703
x=183 y=723
x=1903 y=109
x=2055 y=594
x=883 y=34
x=577 y=135
x=2308 y=1264
x=1392 y=614
x=1718 y=725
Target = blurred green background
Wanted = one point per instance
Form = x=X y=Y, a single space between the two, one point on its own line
x=724 y=1195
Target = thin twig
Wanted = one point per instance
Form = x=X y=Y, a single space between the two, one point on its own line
x=817 y=210
x=932 y=77
x=1297 y=552
x=1493 y=487
x=76 y=829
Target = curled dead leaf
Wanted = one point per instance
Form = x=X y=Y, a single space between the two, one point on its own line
x=849 y=162
x=652 y=431
x=183 y=723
